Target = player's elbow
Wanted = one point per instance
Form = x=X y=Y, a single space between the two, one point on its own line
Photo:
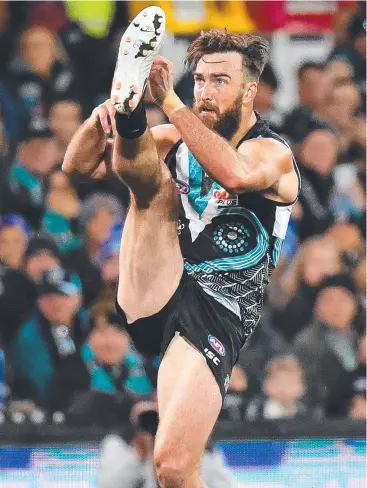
x=236 y=186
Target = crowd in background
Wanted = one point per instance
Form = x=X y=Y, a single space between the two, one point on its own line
x=64 y=347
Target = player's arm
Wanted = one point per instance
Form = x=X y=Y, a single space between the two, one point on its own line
x=256 y=166
x=90 y=151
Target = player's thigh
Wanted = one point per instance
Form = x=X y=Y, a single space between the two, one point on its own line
x=151 y=262
x=189 y=402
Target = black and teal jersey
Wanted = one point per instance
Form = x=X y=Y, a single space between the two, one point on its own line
x=230 y=243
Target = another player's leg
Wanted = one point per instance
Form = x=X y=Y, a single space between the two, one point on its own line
x=189 y=403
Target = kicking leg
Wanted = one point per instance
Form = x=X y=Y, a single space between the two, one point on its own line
x=189 y=404
x=151 y=263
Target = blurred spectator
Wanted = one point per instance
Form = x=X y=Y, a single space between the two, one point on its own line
x=6 y=37
x=40 y=71
x=353 y=52
x=124 y=465
x=264 y=101
x=64 y=119
x=24 y=191
x=311 y=100
x=343 y=104
x=283 y=389
x=358 y=406
x=112 y=361
x=263 y=345
x=91 y=255
x=61 y=220
x=40 y=256
x=14 y=233
x=235 y=400
x=98 y=214
x=359 y=277
x=357 y=402
x=62 y=207
x=349 y=201
x=44 y=357
x=328 y=347
x=317 y=156
x=293 y=296
x=12 y=118
x=110 y=256
x=348 y=239
x=311 y=77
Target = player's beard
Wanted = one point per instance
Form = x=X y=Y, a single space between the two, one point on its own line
x=225 y=124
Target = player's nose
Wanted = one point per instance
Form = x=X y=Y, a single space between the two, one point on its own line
x=206 y=92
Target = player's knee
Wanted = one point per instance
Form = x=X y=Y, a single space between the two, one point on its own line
x=161 y=194
x=172 y=470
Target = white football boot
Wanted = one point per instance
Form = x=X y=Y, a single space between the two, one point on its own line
x=139 y=46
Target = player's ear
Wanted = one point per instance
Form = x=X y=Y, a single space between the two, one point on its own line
x=250 y=92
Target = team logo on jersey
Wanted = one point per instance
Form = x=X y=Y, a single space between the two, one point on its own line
x=225 y=199
x=216 y=345
x=182 y=187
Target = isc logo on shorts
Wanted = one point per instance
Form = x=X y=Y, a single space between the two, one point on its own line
x=216 y=345
x=212 y=356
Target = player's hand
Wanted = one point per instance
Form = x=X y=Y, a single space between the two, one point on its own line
x=161 y=79
x=105 y=115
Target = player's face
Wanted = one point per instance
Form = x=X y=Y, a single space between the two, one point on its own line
x=219 y=91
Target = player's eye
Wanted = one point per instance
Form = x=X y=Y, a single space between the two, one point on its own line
x=221 y=81
x=199 y=81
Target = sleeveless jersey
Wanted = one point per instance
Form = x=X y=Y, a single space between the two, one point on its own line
x=230 y=243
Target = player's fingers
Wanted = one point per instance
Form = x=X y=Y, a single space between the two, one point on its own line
x=104 y=118
x=111 y=113
x=161 y=61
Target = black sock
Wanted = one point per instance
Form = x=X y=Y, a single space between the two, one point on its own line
x=133 y=125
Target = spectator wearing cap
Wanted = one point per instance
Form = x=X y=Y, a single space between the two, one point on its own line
x=23 y=190
x=17 y=295
x=328 y=347
x=44 y=356
x=41 y=255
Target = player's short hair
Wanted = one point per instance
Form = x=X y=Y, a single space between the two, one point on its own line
x=254 y=49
